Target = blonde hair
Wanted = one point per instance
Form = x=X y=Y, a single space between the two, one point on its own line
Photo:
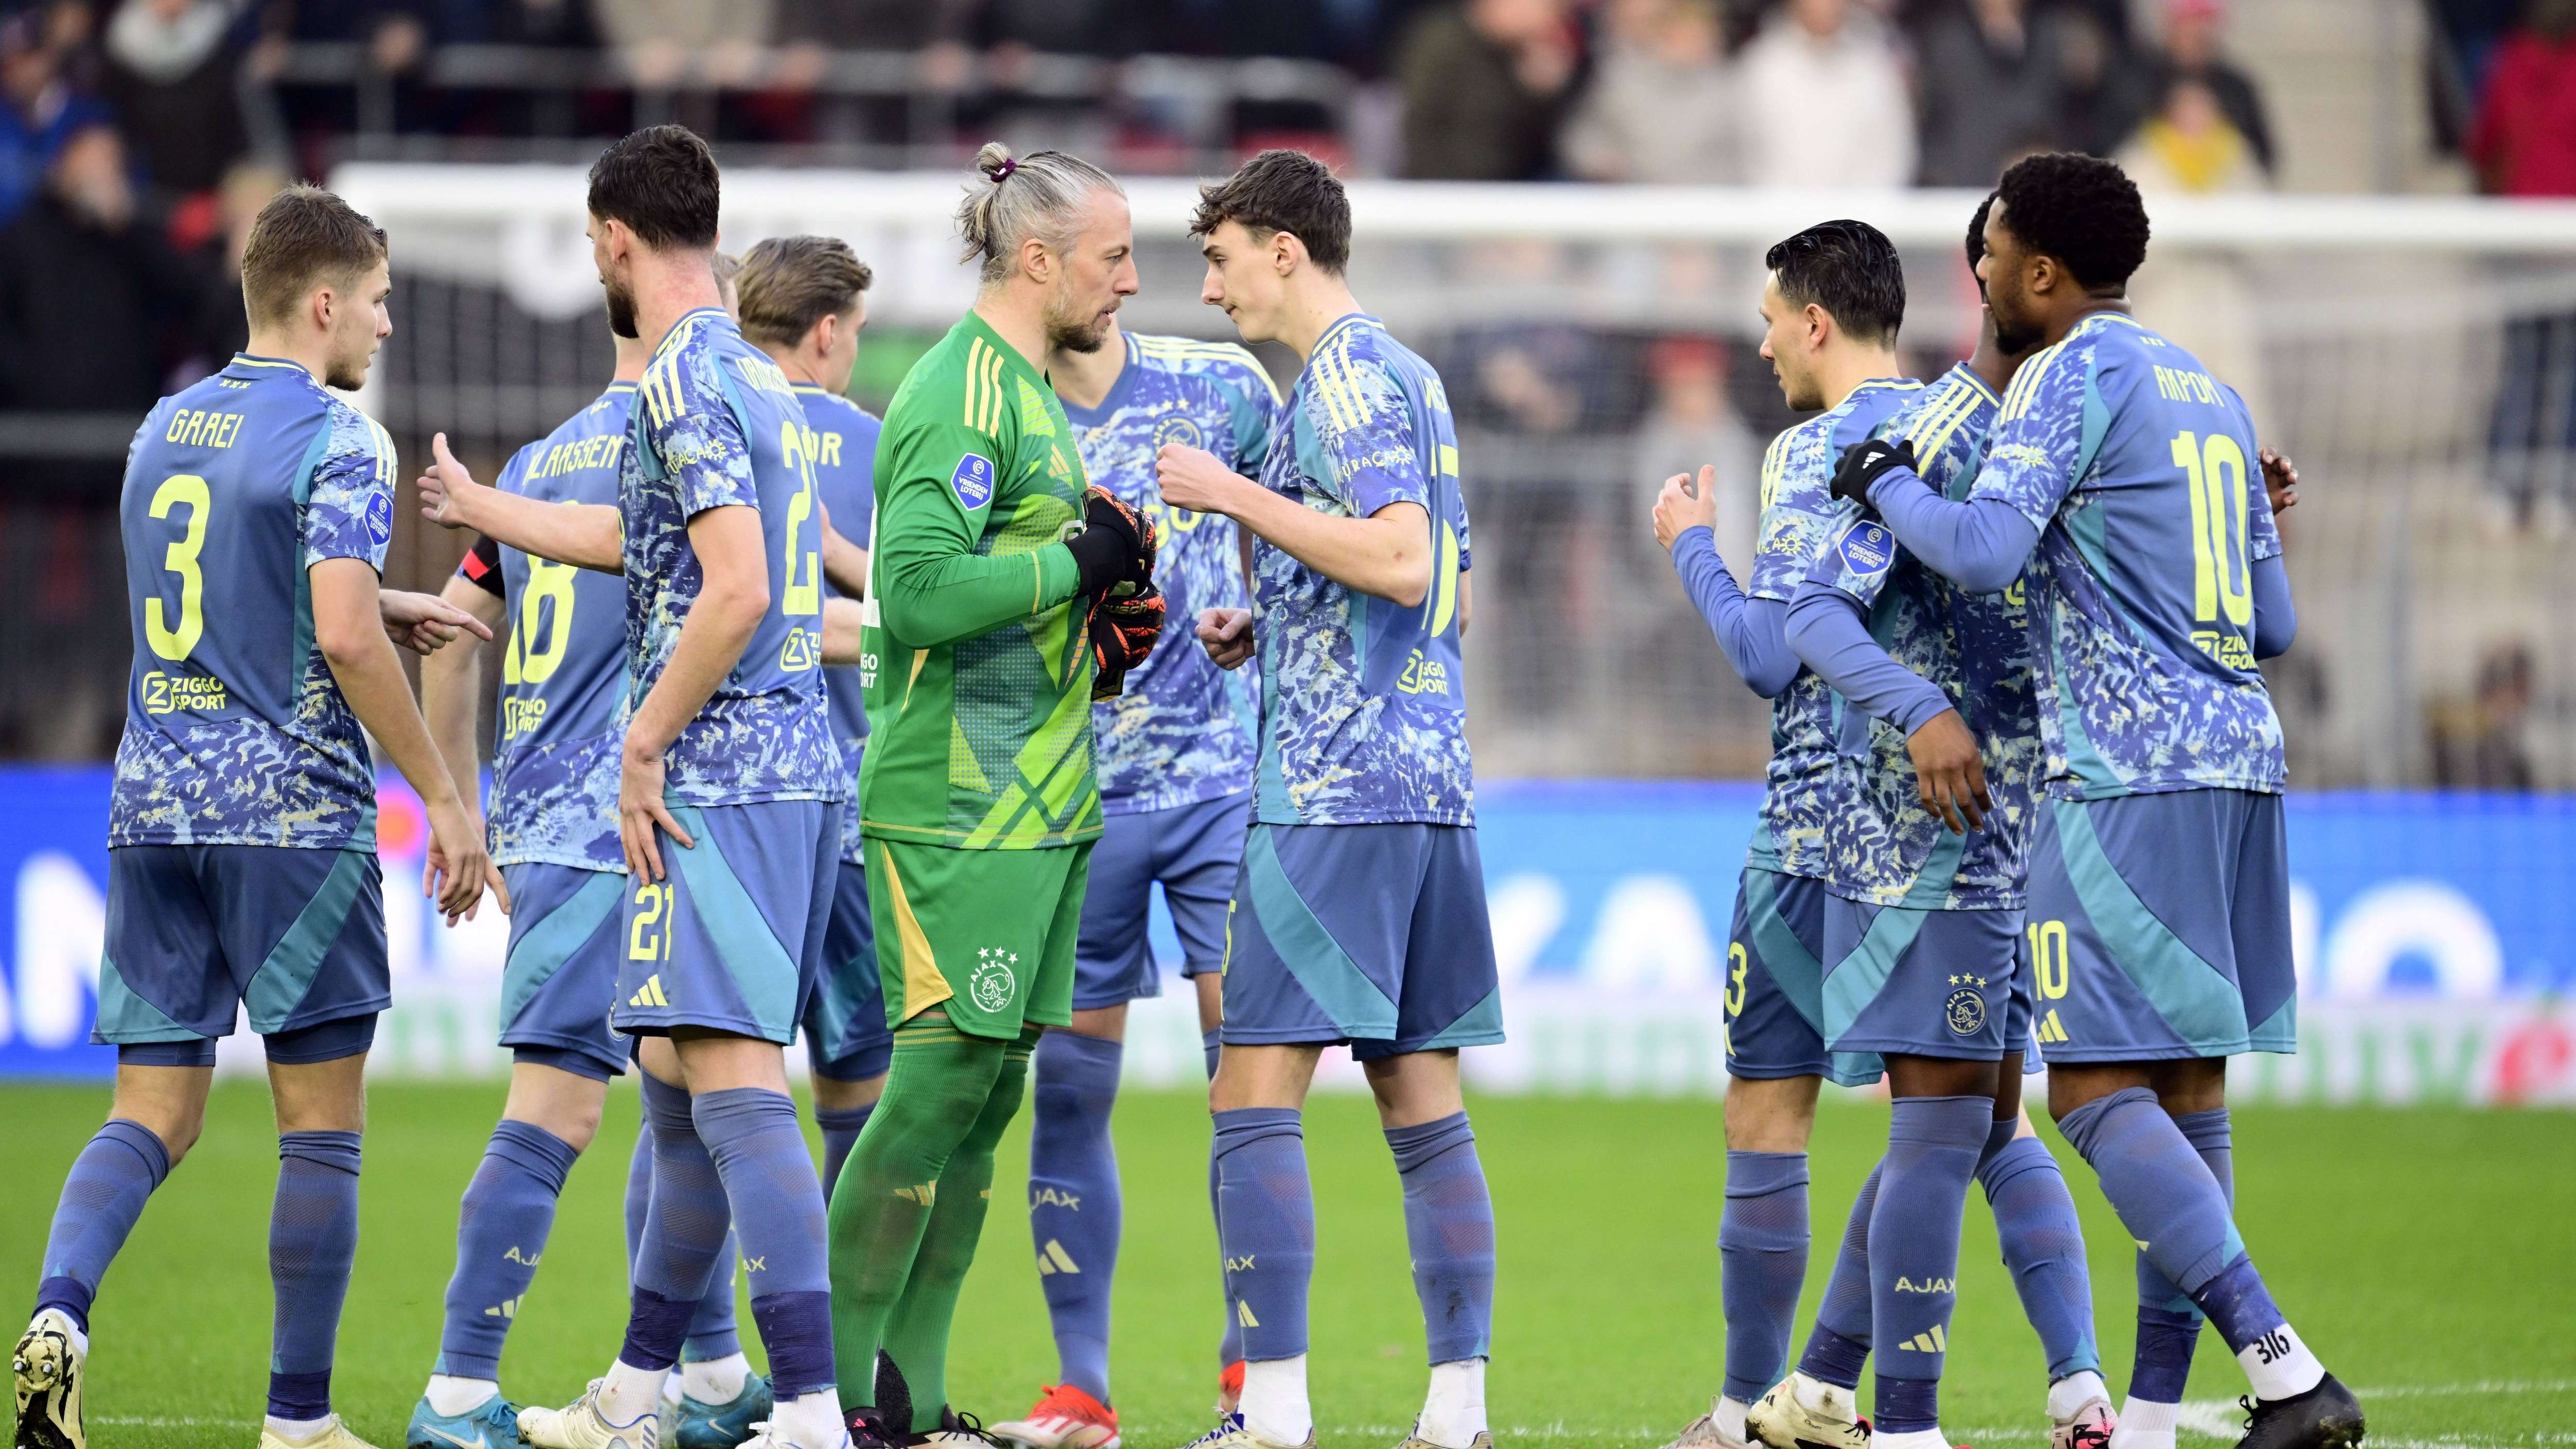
x=1039 y=195
x=787 y=284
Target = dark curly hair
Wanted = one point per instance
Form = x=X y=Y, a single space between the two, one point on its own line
x=1850 y=269
x=1977 y=231
x=2080 y=209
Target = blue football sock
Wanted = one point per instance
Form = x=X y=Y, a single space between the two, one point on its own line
x=841 y=1127
x=500 y=1234
x=711 y=1324
x=1229 y=1347
x=312 y=1240
x=109 y=1183
x=1265 y=1227
x=686 y=1222
x=1838 y=1345
x=2171 y=1202
x=777 y=1202
x=2168 y=1321
x=1074 y=1207
x=2043 y=1246
x=1449 y=1225
x=1762 y=1258
x=1932 y=1148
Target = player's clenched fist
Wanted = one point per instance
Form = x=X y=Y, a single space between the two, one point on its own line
x=1226 y=634
x=1680 y=507
x=1193 y=479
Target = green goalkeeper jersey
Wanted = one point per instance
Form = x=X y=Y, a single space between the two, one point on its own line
x=975 y=661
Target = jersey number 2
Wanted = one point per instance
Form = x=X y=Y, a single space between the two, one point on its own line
x=170 y=643
x=801 y=599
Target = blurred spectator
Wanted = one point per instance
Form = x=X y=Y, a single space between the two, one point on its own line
x=2191 y=53
x=2480 y=741
x=1993 y=87
x=172 y=73
x=564 y=24
x=662 y=40
x=1484 y=81
x=40 y=108
x=219 y=328
x=2524 y=141
x=1825 y=100
x=1661 y=105
x=1690 y=422
x=2189 y=145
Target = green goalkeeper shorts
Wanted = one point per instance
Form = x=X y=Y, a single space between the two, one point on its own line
x=987 y=935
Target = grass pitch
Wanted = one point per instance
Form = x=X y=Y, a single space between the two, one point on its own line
x=2429 y=1256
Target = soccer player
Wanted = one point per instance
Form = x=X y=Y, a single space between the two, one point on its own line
x=1925 y=855
x=1831 y=309
x=1359 y=913
x=728 y=797
x=2122 y=476
x=242 y=869
x=1175 y=759
x=981 y=803
x=803 y=302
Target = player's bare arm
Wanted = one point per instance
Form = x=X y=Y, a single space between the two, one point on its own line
x=451 y=690
x=844 y=562
x=842 y=621
x=1682 y=505
x=1387 y=554
x=585 y=535
x=728 y=609
x=350 y=633
x=425 y=623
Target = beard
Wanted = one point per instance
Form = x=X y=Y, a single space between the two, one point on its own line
x=1076 y=331
x=346 y=375
x=621 y=308
x=2014 y=341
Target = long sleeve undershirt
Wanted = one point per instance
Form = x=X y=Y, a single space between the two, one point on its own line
x=1749 y=630
x=1828 y=631
x=1980 y=544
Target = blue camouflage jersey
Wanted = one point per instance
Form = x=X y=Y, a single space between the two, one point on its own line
x=1798 y=518
x=2140 y=471
x=842 y=441
x=1363 y=700
x=717 y=425
x=555 y=757
x=1183 y=730
x=1882 y=846
x=236 y=733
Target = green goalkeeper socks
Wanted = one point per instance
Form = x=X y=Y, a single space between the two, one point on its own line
x=935 y=1095
x=916 y=1336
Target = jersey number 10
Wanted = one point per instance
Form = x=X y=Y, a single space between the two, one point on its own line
x=2214 y=466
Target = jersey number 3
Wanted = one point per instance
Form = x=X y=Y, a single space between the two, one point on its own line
x=181 y=559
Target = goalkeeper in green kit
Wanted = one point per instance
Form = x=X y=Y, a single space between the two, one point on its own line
x=1001 y=594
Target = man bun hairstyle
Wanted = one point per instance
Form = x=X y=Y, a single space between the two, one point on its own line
x=662 y=183
x=1286 y=191
x=1850 y=269
x=2080 y=209
x=1018 y=197
x=305 y=237
x=789 y=283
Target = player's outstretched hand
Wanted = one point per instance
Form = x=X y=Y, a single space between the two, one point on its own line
x=1948 y=774
x=1681 y=506
x=458 y=868
x=640 y=812
x=2280 y=481
x=1867 y=461
x=1194 y=480
x=1226 y=634
x=446 y=490
x=425 y=623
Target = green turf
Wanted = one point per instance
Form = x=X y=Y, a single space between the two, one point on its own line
x=2429 y=1256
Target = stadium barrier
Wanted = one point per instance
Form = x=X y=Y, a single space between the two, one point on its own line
x=2435 y=937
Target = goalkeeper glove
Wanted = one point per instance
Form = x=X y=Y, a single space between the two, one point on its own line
x=1123 y=629
x=1116 y=544
x=1864 y=463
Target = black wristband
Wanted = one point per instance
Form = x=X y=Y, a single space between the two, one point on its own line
x=1101 y=557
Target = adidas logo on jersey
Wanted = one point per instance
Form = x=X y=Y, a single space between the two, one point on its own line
x=651 y=994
